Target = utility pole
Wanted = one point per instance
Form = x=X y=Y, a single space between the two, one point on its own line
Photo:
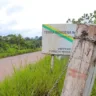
x=81 y=70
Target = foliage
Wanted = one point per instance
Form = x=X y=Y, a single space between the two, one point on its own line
x=11 y=45
x=35 y=79
x=85 y=19
x=93 y=93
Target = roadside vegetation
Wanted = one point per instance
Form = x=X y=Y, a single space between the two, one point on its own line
x=36 y=79
x=11 y=45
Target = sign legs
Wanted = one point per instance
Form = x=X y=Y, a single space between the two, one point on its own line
x=52 y=62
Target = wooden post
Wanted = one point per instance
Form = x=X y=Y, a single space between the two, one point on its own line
x=52 y=62
x=81 y=70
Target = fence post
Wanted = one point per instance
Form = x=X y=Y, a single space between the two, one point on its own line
x=81 y=70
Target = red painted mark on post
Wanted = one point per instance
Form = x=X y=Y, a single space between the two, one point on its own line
x=76 y=74
x=83 y=76
x=72 y=73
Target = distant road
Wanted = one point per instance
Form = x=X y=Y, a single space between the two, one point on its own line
x=7 y=63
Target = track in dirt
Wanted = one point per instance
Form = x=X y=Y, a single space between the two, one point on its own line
x=6 y=64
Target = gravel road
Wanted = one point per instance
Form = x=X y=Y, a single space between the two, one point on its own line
x=6 y=64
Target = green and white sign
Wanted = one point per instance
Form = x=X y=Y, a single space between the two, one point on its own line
x=57 y=39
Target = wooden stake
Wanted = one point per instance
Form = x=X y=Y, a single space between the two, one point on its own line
x=81 y=70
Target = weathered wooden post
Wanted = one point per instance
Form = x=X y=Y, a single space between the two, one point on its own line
x=52 y=62
x=82 y=65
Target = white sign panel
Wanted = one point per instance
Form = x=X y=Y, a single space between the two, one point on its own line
x=57 y=38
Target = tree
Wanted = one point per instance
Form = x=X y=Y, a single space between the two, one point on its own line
x=27 y=38
x=85 y=19
x=17 y=42
x=20 y=41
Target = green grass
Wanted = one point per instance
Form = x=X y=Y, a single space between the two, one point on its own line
x=93 y=93
x=36 y=79
x=13 y=52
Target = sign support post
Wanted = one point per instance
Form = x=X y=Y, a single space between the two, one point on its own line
x=52 y=62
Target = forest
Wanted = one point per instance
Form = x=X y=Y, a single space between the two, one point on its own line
x=12 y=44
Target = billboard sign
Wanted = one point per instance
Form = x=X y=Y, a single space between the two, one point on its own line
x=57 y=39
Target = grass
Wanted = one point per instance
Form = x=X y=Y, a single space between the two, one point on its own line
x=17 y=52
x=93 y=93
x=36 y=79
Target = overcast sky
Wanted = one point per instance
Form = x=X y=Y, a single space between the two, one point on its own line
x=27 y=16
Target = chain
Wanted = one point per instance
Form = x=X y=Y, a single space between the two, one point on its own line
x=74 y=51
x=57 y=81
x=82 y=37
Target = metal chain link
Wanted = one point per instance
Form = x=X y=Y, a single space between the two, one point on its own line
x=81 y=38
x=57 y=81
x=74 y=52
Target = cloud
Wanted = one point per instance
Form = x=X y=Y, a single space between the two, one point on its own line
x=31 y=33
x=10 y=31
x=12 y=23
x=13 y=9
x=7 y=25
x=24 y=32
x=3 y=3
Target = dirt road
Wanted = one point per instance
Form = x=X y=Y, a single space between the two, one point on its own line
x=6 y=64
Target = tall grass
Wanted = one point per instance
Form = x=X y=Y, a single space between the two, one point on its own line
x=36 y=79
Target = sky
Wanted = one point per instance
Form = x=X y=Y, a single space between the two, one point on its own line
x=26 y=17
